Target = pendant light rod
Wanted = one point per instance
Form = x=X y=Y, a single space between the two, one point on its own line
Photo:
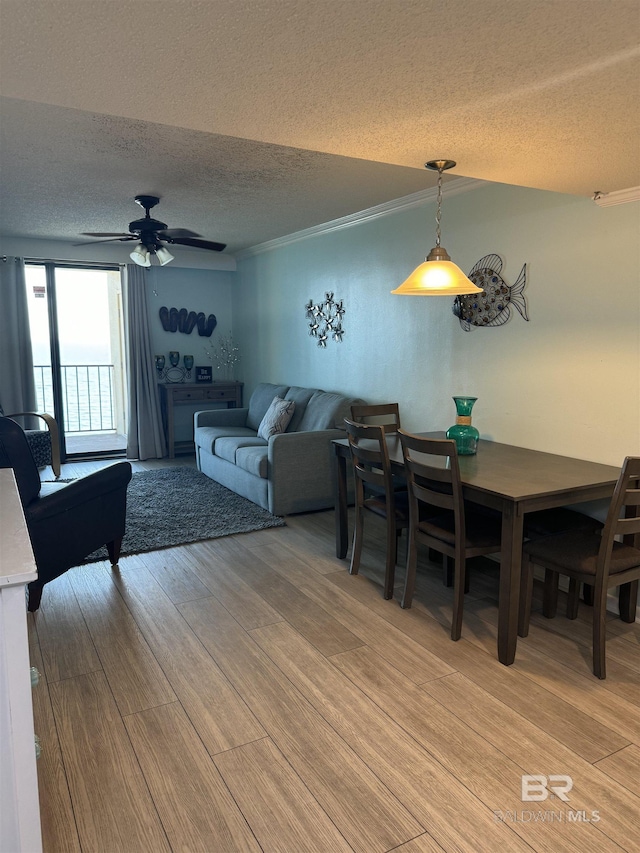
x=439 y=166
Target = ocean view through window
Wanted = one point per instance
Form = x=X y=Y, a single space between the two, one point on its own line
x=75 y=317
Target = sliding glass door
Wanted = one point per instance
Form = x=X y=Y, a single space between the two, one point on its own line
x=75 y=315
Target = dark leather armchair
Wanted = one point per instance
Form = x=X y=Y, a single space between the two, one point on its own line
x=66 y=521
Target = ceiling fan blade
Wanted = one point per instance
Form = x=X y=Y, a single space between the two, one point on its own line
x=176 y=232
x=197 y=244
x=105 y=234
x=110 y=240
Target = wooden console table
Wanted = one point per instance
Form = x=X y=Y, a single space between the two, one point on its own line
x=183 y=393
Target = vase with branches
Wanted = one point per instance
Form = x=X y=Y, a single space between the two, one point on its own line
x=224 y=355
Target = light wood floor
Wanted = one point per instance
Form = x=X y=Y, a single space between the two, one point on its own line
x=248 y=694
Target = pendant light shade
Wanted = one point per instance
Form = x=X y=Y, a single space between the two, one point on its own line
x=438 y=275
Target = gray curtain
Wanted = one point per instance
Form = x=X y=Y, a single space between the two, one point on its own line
x=17 y=385
x=145 y=434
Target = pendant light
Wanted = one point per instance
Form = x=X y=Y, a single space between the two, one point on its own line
x=438 y=275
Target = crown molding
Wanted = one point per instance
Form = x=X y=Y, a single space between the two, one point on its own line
x=451 y=188
x=617 y=197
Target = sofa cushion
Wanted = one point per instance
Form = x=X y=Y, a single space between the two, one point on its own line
x=325 y=411
x=227 y=447
x=261 y=400
x=206 y=437
x=254 y=460
x=276 y=418
x=300 y=397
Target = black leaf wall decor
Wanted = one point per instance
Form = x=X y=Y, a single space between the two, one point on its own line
x=174 y=320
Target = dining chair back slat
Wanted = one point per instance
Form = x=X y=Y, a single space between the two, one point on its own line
x=629 y=524
x=386 y=415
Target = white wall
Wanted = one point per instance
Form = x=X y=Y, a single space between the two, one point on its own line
x=567 y=382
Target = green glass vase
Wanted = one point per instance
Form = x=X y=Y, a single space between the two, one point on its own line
x=462 y=432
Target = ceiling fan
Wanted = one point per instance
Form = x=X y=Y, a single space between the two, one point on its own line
x=151 y=234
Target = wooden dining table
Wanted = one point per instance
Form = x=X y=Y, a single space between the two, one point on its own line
x=512 y=480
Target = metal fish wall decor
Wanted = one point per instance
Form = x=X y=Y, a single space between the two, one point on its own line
x=492 y=307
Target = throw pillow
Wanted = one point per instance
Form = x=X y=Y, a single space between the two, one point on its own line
x=276 y=418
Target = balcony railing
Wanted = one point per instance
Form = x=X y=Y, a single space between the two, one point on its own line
x=87 y=395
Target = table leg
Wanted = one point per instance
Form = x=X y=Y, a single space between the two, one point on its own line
x=510 y=570
x=342 y=528
x=170 y=429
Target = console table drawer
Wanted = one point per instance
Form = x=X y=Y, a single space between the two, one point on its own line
x=180 y=394
x=220 y=393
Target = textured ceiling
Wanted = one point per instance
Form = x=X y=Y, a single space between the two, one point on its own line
x=256 y=118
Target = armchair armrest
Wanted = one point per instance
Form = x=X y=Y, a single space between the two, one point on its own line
x=52 y=426
x=80 y=492
x=220 y=417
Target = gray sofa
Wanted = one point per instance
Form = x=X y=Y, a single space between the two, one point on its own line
x=291 y=472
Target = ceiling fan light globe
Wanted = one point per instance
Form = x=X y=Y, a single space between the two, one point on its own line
x=140 y=256
x=164 y=255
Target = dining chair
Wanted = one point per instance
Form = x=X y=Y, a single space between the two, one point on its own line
x=433 y=478
x=374 y=491
x=595 y=558
x=547 y=522
x=387 y=415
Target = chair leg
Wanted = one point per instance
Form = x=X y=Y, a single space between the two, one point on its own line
x=573 y=599
x=628 y=600
x=447 y=570
x=526 y=596
x=599 y=631
x=358 y=532
x=550 y=599
x=398 y=535
x=113 y=549
x=392 y=556
x=587 y=594
x=35 y=595
x=458 y=597
x=447 y=574
x=410 y=575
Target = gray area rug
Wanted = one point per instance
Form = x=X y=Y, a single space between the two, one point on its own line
x=173 y=506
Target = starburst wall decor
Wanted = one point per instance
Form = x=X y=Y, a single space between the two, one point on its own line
x=325 y=319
